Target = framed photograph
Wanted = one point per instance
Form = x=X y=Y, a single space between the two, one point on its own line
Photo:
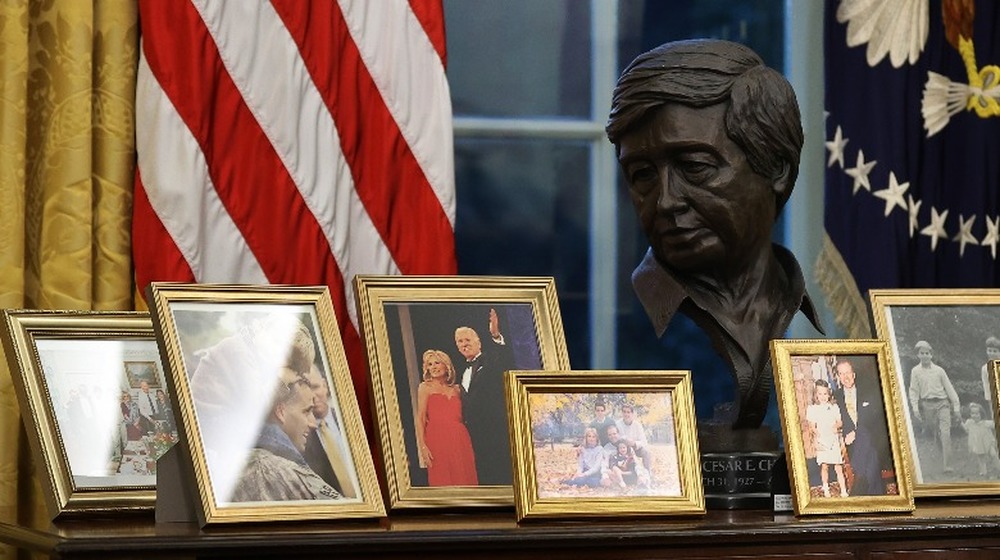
x=268 y=415
x=95 y=435
x=438 y=348
x=143 y=372
x=840 y=417
x=940 y=341
x=604 y=443
x=987 y=425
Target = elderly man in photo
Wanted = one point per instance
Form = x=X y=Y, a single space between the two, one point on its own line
x=708 y=139
x=326 y=449
x=483 y=406
x=865 y=429
x=148 y=407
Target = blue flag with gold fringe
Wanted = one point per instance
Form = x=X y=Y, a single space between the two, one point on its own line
x=912 y=149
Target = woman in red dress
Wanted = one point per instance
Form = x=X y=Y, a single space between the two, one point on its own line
x=442 y=439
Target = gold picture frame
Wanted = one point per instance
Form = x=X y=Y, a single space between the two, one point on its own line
x=840 y=418
x=266 y=404
x=990 y=447
x=402 y=319
x=69 y=373
x=646 y=464
x=955 y=324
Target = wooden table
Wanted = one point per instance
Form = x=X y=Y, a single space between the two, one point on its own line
x=952 y=530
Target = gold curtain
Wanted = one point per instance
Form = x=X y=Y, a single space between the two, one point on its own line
x=66 y=171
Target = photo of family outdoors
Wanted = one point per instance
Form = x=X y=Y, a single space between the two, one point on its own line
x=844 y=427
x=604 y=444
x=942 y=354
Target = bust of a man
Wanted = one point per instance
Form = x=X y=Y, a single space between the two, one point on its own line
x=708 y=139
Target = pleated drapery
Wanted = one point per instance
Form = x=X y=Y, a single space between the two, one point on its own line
x=67 y=160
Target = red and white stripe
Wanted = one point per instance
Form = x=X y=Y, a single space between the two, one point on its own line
x=293 y=142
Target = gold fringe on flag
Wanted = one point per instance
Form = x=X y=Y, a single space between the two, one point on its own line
x=842 y=295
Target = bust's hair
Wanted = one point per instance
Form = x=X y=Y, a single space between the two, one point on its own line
x=762 y=116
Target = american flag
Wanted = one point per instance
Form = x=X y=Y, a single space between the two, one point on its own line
x=294 y=142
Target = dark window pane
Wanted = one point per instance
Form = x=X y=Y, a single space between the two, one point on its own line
x=523 y=211
x=519 y=58
x=758 y=24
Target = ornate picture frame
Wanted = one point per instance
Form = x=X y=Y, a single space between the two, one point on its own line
x=954 y=328
x=94 y=446
x=408 y=320
x=841 y=422
x=270 y=427
x=604 y=443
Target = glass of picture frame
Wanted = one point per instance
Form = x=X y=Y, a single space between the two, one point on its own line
x=841 y=421
x=93 y=399
x=604 y=443
x=269 y=422
x=940 y=341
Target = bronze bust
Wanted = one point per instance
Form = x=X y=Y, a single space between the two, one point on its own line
x=708 y=139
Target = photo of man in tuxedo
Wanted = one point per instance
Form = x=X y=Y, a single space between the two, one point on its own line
x=483 y=404
x=865 y=430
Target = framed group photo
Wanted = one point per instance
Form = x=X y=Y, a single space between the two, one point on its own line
x=840 y=417
x=438 y=347
x=268 y=416
x=941 y=341
x=604 y=443
x=95 y=434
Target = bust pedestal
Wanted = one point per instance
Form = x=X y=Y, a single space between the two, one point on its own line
x=737 y=466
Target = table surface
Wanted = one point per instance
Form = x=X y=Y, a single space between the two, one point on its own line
x=953 y=521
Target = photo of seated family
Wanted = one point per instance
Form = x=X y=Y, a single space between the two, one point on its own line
x=604 y=444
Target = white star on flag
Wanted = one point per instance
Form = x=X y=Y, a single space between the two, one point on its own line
x=992 y=235
x=893 y=194
x=914 y=211
x=936 y=230
x=836 y=147
x=965 y=236
x=860 y=172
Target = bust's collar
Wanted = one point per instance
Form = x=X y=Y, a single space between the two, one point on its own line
x=661 y=293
